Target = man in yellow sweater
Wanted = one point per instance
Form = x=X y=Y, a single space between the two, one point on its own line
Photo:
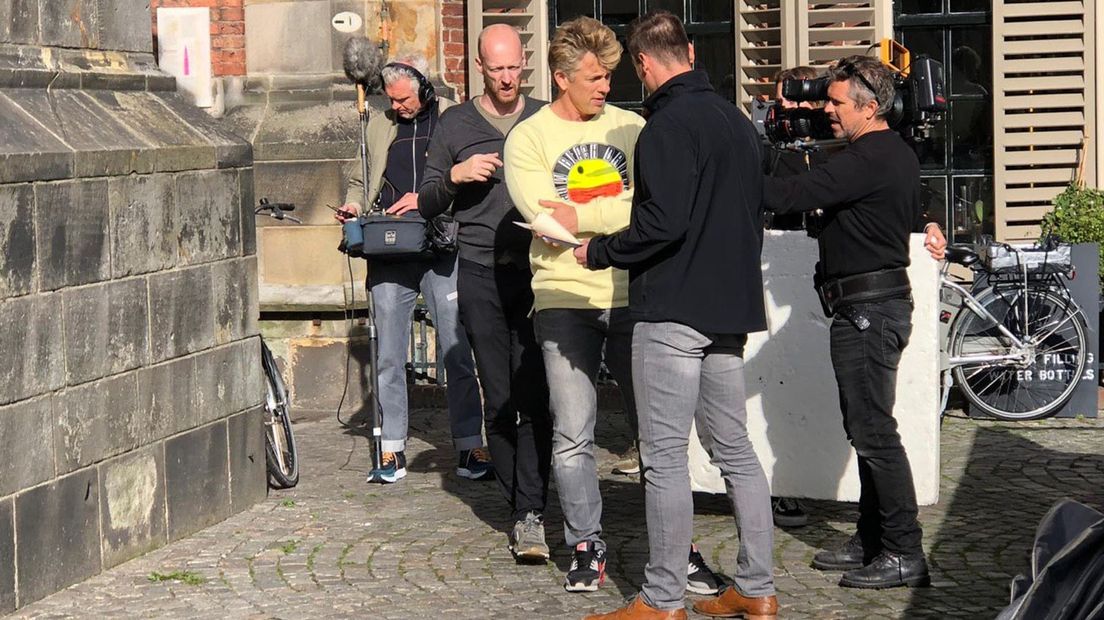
x=573 y=160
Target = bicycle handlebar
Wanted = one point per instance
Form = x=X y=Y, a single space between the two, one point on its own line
x=277 y=210
x=265 y=205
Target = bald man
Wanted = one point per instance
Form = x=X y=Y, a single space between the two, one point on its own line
x=464 y=174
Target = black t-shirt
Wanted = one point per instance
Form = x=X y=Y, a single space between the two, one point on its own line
x=870 y=194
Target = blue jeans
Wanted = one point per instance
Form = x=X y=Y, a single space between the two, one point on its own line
x=395 y=288
x=677 y=372
x=572 y=341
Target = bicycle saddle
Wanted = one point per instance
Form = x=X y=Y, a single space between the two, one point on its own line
x=962 y=254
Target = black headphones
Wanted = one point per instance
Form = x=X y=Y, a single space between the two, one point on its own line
x=426 y=93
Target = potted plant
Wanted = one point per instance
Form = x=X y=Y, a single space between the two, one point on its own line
x=1078 y=217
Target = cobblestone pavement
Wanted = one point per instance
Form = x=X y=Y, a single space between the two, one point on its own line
x=434 y=546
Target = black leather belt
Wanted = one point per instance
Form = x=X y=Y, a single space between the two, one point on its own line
x=863 y=288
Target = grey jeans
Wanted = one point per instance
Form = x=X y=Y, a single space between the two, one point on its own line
x=572 y=342
x=678 y=371
x=395 y=288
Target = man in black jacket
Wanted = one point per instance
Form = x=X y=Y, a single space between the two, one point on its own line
x=692 y=250
x=870 y=195
x=464 y=173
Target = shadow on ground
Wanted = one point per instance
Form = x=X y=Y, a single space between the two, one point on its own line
x=1007 y=479
x=625 y=531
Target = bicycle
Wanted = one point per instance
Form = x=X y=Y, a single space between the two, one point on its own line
x=1016 y=347
x=281 y=454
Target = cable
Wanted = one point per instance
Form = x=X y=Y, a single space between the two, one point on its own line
x=350 y=320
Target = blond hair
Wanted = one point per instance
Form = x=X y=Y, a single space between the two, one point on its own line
x=574 y=38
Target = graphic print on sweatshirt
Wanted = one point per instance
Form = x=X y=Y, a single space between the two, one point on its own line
x=587 y=171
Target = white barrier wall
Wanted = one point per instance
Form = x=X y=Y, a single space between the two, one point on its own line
x=793 y=407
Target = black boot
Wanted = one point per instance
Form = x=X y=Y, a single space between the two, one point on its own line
x=848 y=557
x=889 y=570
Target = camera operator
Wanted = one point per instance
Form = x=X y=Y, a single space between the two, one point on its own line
x=396 y=149
x=869 y=193
x=784 y=162
x=781 y=162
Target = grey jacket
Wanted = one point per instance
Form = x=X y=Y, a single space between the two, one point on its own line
x=381 y=132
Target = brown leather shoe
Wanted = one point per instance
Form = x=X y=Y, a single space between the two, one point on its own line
x=732 y=604
x=639 y=610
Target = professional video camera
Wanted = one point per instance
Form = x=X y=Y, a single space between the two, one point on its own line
x=918 y=104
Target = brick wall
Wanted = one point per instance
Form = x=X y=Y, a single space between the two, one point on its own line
x=227 y=32
x=454 y=43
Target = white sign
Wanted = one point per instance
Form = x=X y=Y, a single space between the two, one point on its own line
x=347 y=22
x=184 y=50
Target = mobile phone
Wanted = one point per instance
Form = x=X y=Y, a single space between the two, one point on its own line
x=344 y=214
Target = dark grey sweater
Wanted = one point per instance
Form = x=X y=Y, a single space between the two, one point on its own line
x=484 y=210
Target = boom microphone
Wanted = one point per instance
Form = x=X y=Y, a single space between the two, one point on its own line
x=363 y=62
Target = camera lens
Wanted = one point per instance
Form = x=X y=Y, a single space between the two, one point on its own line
x=805 y=90
x=787 y=125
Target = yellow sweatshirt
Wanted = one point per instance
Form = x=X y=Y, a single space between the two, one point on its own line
x=589 y=165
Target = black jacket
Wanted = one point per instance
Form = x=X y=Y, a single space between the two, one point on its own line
x=693 y=244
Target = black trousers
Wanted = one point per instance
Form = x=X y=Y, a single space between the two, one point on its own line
x=866 y=363
x=494 y=309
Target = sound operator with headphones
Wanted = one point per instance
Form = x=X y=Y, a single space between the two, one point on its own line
x=396 y=150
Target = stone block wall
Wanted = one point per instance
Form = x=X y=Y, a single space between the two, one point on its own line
x=295 y=107
x=130 y=383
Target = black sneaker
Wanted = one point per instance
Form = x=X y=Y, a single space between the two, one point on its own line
x=588 y=568
x=700 y=579
x=788 y=512
x=475 y=464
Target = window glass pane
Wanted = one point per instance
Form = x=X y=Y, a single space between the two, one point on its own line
x=971 y=61
x=932 y=152
x=960 y=6
x=674 y=6
x=972 y=214
x=711 y=11
x=921 y=6
x=928 y=41
x=933 y=199
x=971 y=123
x=567 y=9
x=713 y=53
x=624 y=86
x=619 y=11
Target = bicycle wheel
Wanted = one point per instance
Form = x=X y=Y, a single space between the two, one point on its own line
x=1042 y=380
x=281 y=455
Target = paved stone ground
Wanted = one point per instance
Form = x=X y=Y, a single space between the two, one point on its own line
x=433 y=546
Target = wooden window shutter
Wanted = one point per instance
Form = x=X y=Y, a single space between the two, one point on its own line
x=1044 y=86
x=530 y=17
x=763 y=46
x=828 y=31
x=778 y=34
